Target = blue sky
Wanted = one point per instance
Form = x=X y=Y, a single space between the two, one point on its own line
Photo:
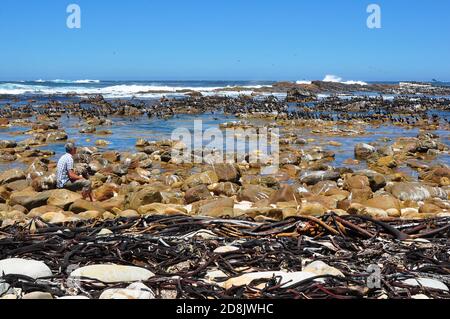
x=224 y=39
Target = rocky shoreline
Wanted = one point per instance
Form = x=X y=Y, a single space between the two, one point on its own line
x=344 y=207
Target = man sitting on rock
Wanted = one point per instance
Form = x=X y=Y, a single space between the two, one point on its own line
x=66 y=177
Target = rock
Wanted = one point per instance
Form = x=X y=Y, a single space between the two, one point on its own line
x=117 y=202
x=11 y=175
x=377 y=181
x=312 y=209
x=81 y=205
x=134 y=291
x=145 y=196
x=38 y=295
x=29 y=199
x=227 y=173
x=39 y=211
x=384 y=202
x=314 y=177
x=162 y=209
x=387 y=161
x=197 y=193
x=427 y=283
x=254 y=193
x=356 y=182
x=216 y=207
x=320 y=268
x=206 y=178
x=285 y=194
x=225 y=249
x=323 y=187
x=44 y=183
x=105 y=192
x=360 y=195
x=428 y=208
x=289 y=159
x=7 y=144
x=415 y=191
x=24 y=267
x=373 y=212
x=74 y=298
x=112 y=273
x=56 y=136
x=439 y=175
x=227 y=189
x=62 y=198
x=129 y=213
x=90 y=215
x=364 y=151
x=111 y=156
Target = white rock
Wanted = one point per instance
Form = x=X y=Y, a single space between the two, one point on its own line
x=24 y=267
x=38 y=295
x=9 y=297
x=320 y=268
x=204 y=234
x=420 y=296
x=113 y=273
x=427 y=282
x=287 y=279
x=134 y=291
x=105 y=232
x=225 y=249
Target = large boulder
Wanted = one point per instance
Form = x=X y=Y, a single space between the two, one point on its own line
x=7 y=144
x=29 y=199
x=285 y=194
x=364 y=151
x=162 y=209
x=227 y=189
x=11 y=175
x=254 y=193
x=215 y=208
x=145 y=196
x=197 y=193
x=356 y=182
x=206 y=178
x=81 y=205
x=384 y=202
x=62 y=198
x=313 y=177
x=415 y=191
x=377 y=181
x=227 y=173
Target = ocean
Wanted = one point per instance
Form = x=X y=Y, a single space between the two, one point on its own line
x=138 y=89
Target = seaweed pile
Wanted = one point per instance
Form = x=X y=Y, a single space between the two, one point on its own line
x=183 y=257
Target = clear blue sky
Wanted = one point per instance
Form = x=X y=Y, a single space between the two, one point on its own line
x=225 y=39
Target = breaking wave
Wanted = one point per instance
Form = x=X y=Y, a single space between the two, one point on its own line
x=337 y=79
x=112 y=91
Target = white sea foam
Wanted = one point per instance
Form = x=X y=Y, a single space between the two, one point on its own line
x=68 y=81
x=116 y=91
x=337 y=79
x=304 y=82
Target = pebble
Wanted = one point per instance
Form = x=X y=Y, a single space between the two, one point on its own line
x=426 y=282
x=113 y=273
x=24 y=267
